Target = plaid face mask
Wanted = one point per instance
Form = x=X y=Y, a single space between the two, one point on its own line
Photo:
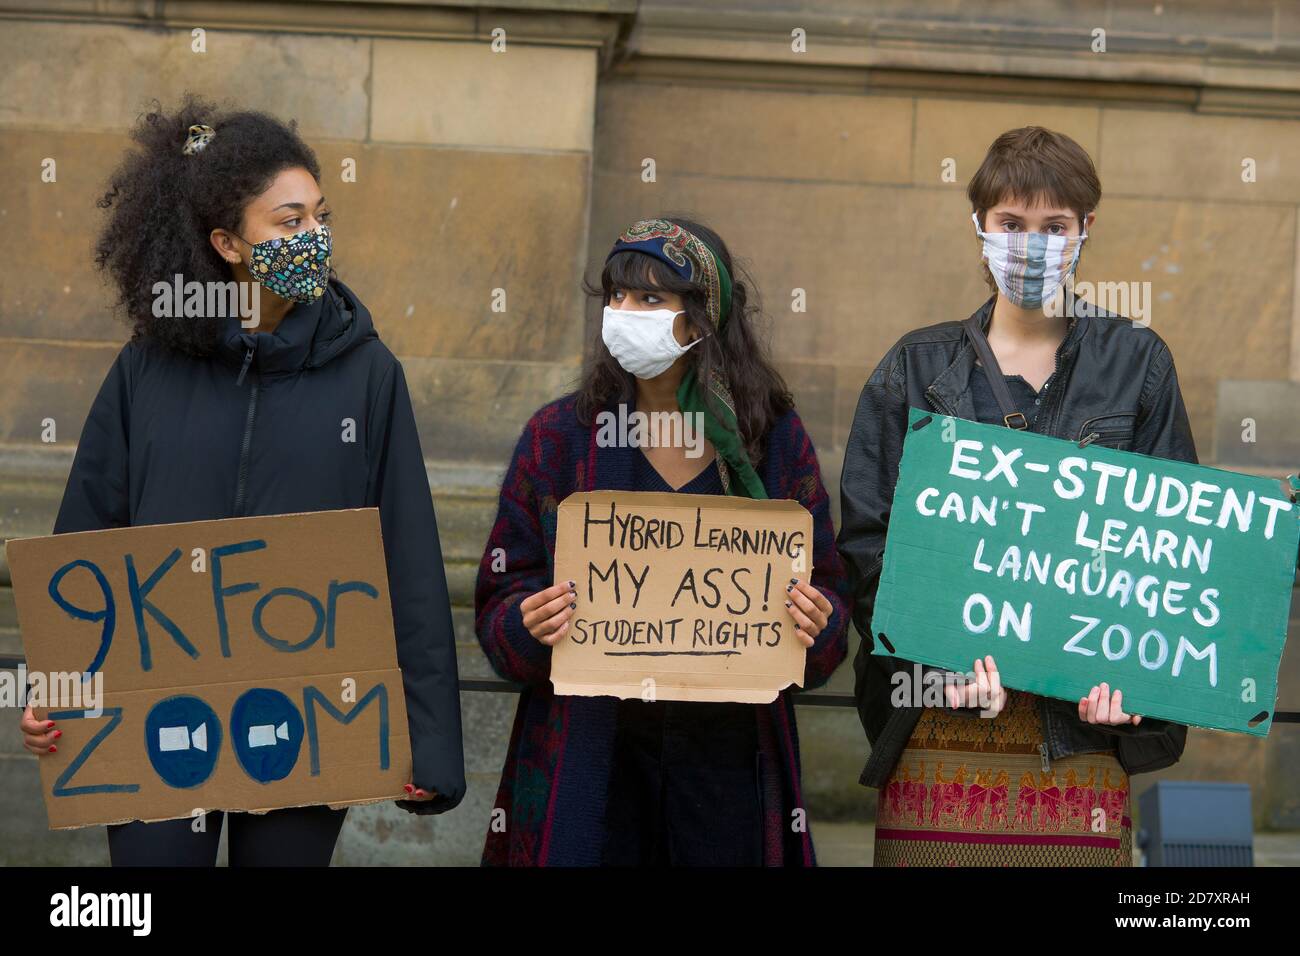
x=1029 y=267
x=296 y=267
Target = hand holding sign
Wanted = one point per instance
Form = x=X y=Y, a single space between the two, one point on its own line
x=38 y=735
x=810 y=610
x=1101 y=707
x=546 y=613
x=985 y=691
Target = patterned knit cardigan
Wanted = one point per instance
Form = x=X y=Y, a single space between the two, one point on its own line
x=557 y=770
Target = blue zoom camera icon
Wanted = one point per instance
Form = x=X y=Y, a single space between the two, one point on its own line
x=183 y=737
x=266 y=731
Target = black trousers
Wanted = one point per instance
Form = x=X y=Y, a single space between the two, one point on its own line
x=685 y=786
x=297 y=836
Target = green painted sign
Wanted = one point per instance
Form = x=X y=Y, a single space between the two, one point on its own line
x=1076 y=564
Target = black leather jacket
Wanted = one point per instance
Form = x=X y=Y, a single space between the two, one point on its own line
x=1114 y=380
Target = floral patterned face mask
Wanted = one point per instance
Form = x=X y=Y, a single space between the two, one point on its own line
x=296 y=267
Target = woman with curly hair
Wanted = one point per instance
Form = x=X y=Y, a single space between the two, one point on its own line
x=222 y=414
x=600 y=781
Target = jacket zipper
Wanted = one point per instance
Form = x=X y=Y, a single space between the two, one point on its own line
x=241 y=487
x=937 y=401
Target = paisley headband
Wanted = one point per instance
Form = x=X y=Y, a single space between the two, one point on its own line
x=687 y=255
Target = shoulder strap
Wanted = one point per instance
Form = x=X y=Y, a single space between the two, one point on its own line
x=1011 y=417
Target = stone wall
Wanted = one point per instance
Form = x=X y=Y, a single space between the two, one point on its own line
x=473 y=173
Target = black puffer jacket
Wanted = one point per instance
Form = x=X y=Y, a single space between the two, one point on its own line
x=254 y=430
x=1116 y=381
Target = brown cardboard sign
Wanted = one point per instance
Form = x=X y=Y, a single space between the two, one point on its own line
x=680 y=597
x=244 y=664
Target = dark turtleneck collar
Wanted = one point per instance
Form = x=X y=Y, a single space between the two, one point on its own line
x=309 y=335
x=284 y=350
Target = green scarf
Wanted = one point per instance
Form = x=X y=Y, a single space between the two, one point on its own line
x=722 y=430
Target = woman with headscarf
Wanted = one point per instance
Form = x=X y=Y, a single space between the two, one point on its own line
x=602 y=781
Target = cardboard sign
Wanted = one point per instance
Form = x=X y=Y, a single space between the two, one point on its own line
x=680 y=597
x=1075 y=565
x=245 y=664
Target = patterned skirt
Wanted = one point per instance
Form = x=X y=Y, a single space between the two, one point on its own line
x=969 y=791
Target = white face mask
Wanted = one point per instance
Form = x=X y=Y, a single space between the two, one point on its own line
x=642 y=342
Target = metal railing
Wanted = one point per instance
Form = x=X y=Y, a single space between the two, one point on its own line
x=802 y=698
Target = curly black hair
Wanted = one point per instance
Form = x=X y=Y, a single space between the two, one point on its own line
x=163 y=205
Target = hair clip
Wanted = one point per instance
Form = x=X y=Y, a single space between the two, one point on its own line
x=199 y=137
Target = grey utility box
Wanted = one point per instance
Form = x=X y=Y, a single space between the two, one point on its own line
x=1191 y=823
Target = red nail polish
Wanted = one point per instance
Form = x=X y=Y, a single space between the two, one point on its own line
x=409 y=788
x=49 y=724
x=419 y=793
x=58 y=734
x=53 y=749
